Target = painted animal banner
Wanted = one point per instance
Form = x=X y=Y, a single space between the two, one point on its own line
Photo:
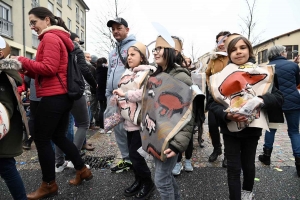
x=167 y=108
x=235 y=85
x=131 y=81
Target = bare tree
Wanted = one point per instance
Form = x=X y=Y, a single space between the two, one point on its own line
x=249 y=24
x=100 y=35
x=194 y=52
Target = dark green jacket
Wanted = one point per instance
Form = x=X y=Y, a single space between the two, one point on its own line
x=11 y=144
x=180 y=141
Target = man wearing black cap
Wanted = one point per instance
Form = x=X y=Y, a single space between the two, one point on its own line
x=74 y=37
x=117 y=59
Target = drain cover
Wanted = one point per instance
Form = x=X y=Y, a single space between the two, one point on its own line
x=98 y=162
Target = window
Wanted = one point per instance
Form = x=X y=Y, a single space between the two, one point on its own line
x=58 y=13
x=262 y=56
x=77 y=30
x=29 y=55
x=59 y=2
x=69 y=24
x=6 y=26
x=35 y=3
x=14 y=51
x=77 y=13
x=81 y=35
x=69 y=3
x=81 y=18
x=290 y=49
x=50 y=6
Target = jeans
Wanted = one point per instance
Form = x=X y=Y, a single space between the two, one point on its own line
x=140 y=166
x=240 y=154
x=213 y=128
x=51 y=123
x=164 y=180
x=12 y=178
x=292 y=118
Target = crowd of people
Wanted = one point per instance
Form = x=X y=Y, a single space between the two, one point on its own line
x=165 y=133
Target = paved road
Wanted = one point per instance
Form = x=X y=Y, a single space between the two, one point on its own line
x=207 y=181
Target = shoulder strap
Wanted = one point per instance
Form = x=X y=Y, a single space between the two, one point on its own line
x=122 y=59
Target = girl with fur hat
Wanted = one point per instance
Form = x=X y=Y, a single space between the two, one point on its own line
x=130 y=90
x=238 y=85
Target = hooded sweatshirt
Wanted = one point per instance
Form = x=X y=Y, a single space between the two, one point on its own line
x=116 y=67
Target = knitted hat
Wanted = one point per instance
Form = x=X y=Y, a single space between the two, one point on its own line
x=144 y=50
x=4 y=47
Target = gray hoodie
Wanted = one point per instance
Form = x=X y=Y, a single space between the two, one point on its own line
x=116 y=67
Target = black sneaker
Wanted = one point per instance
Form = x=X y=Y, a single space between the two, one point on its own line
x=27 y=144
x=213 y=157
x=121 y=166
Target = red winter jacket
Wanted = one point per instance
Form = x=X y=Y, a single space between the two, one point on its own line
x=51 y=59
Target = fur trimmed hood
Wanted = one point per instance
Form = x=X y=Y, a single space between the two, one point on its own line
x=10 y=64
x=11 y=67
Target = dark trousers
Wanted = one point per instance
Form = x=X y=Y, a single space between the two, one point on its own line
x=188 y=152
x=139 y=164
x=12 y=178
x=33 y=108
x=213 y=128
x=240 y=154
x=51 y=123
x=103 y=106
x=94 y=110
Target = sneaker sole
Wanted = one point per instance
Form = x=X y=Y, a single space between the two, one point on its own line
x=121 y=170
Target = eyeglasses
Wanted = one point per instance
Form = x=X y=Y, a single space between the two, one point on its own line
x=157 y=49
x=32 y=23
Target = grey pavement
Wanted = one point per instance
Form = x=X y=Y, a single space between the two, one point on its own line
x=207 y=181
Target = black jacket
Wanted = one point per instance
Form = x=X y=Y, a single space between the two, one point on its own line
x=93 y=72
x=85 y=71
x=101 y=75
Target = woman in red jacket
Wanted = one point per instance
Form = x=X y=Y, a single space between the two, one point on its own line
x=52 y=114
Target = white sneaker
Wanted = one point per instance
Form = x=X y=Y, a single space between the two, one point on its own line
x=102 y=131
x=177 y=169
x=61 y=168
x=246 y=195
x=109 y=132
x=70 y=165
x=188 y=165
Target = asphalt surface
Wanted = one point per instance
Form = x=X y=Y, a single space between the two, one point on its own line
x=207 y=181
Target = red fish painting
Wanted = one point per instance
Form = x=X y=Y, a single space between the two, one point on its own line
x=170 y=103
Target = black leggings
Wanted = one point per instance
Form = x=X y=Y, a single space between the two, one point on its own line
x=240 y=154
x=139 y=164
x=103 y=106
x=213 y=128
x=188 y=152
x=51 y=123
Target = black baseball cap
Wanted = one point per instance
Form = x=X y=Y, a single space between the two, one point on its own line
x=118 y=20
x=73 y=36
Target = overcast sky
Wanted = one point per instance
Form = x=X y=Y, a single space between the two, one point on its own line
x=199 y=21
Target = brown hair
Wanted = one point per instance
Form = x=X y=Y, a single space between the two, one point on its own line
x=144 y=59
x=222 y=33
x=233 y=42
x=42 y=13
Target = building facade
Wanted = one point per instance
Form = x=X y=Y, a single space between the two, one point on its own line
x=290 y=40
x=14 y=23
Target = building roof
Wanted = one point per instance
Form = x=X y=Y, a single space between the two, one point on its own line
x=277 y=37
x=84 y=4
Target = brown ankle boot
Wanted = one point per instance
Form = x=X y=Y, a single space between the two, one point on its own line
x=46 y=190
x=83 y=174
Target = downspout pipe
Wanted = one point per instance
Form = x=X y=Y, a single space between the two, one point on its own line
x=23 y=14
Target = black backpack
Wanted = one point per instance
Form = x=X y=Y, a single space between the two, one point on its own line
x=75 y=83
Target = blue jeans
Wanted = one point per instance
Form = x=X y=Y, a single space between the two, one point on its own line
x=12 y=178
x=292 y=118
x=164 y=179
